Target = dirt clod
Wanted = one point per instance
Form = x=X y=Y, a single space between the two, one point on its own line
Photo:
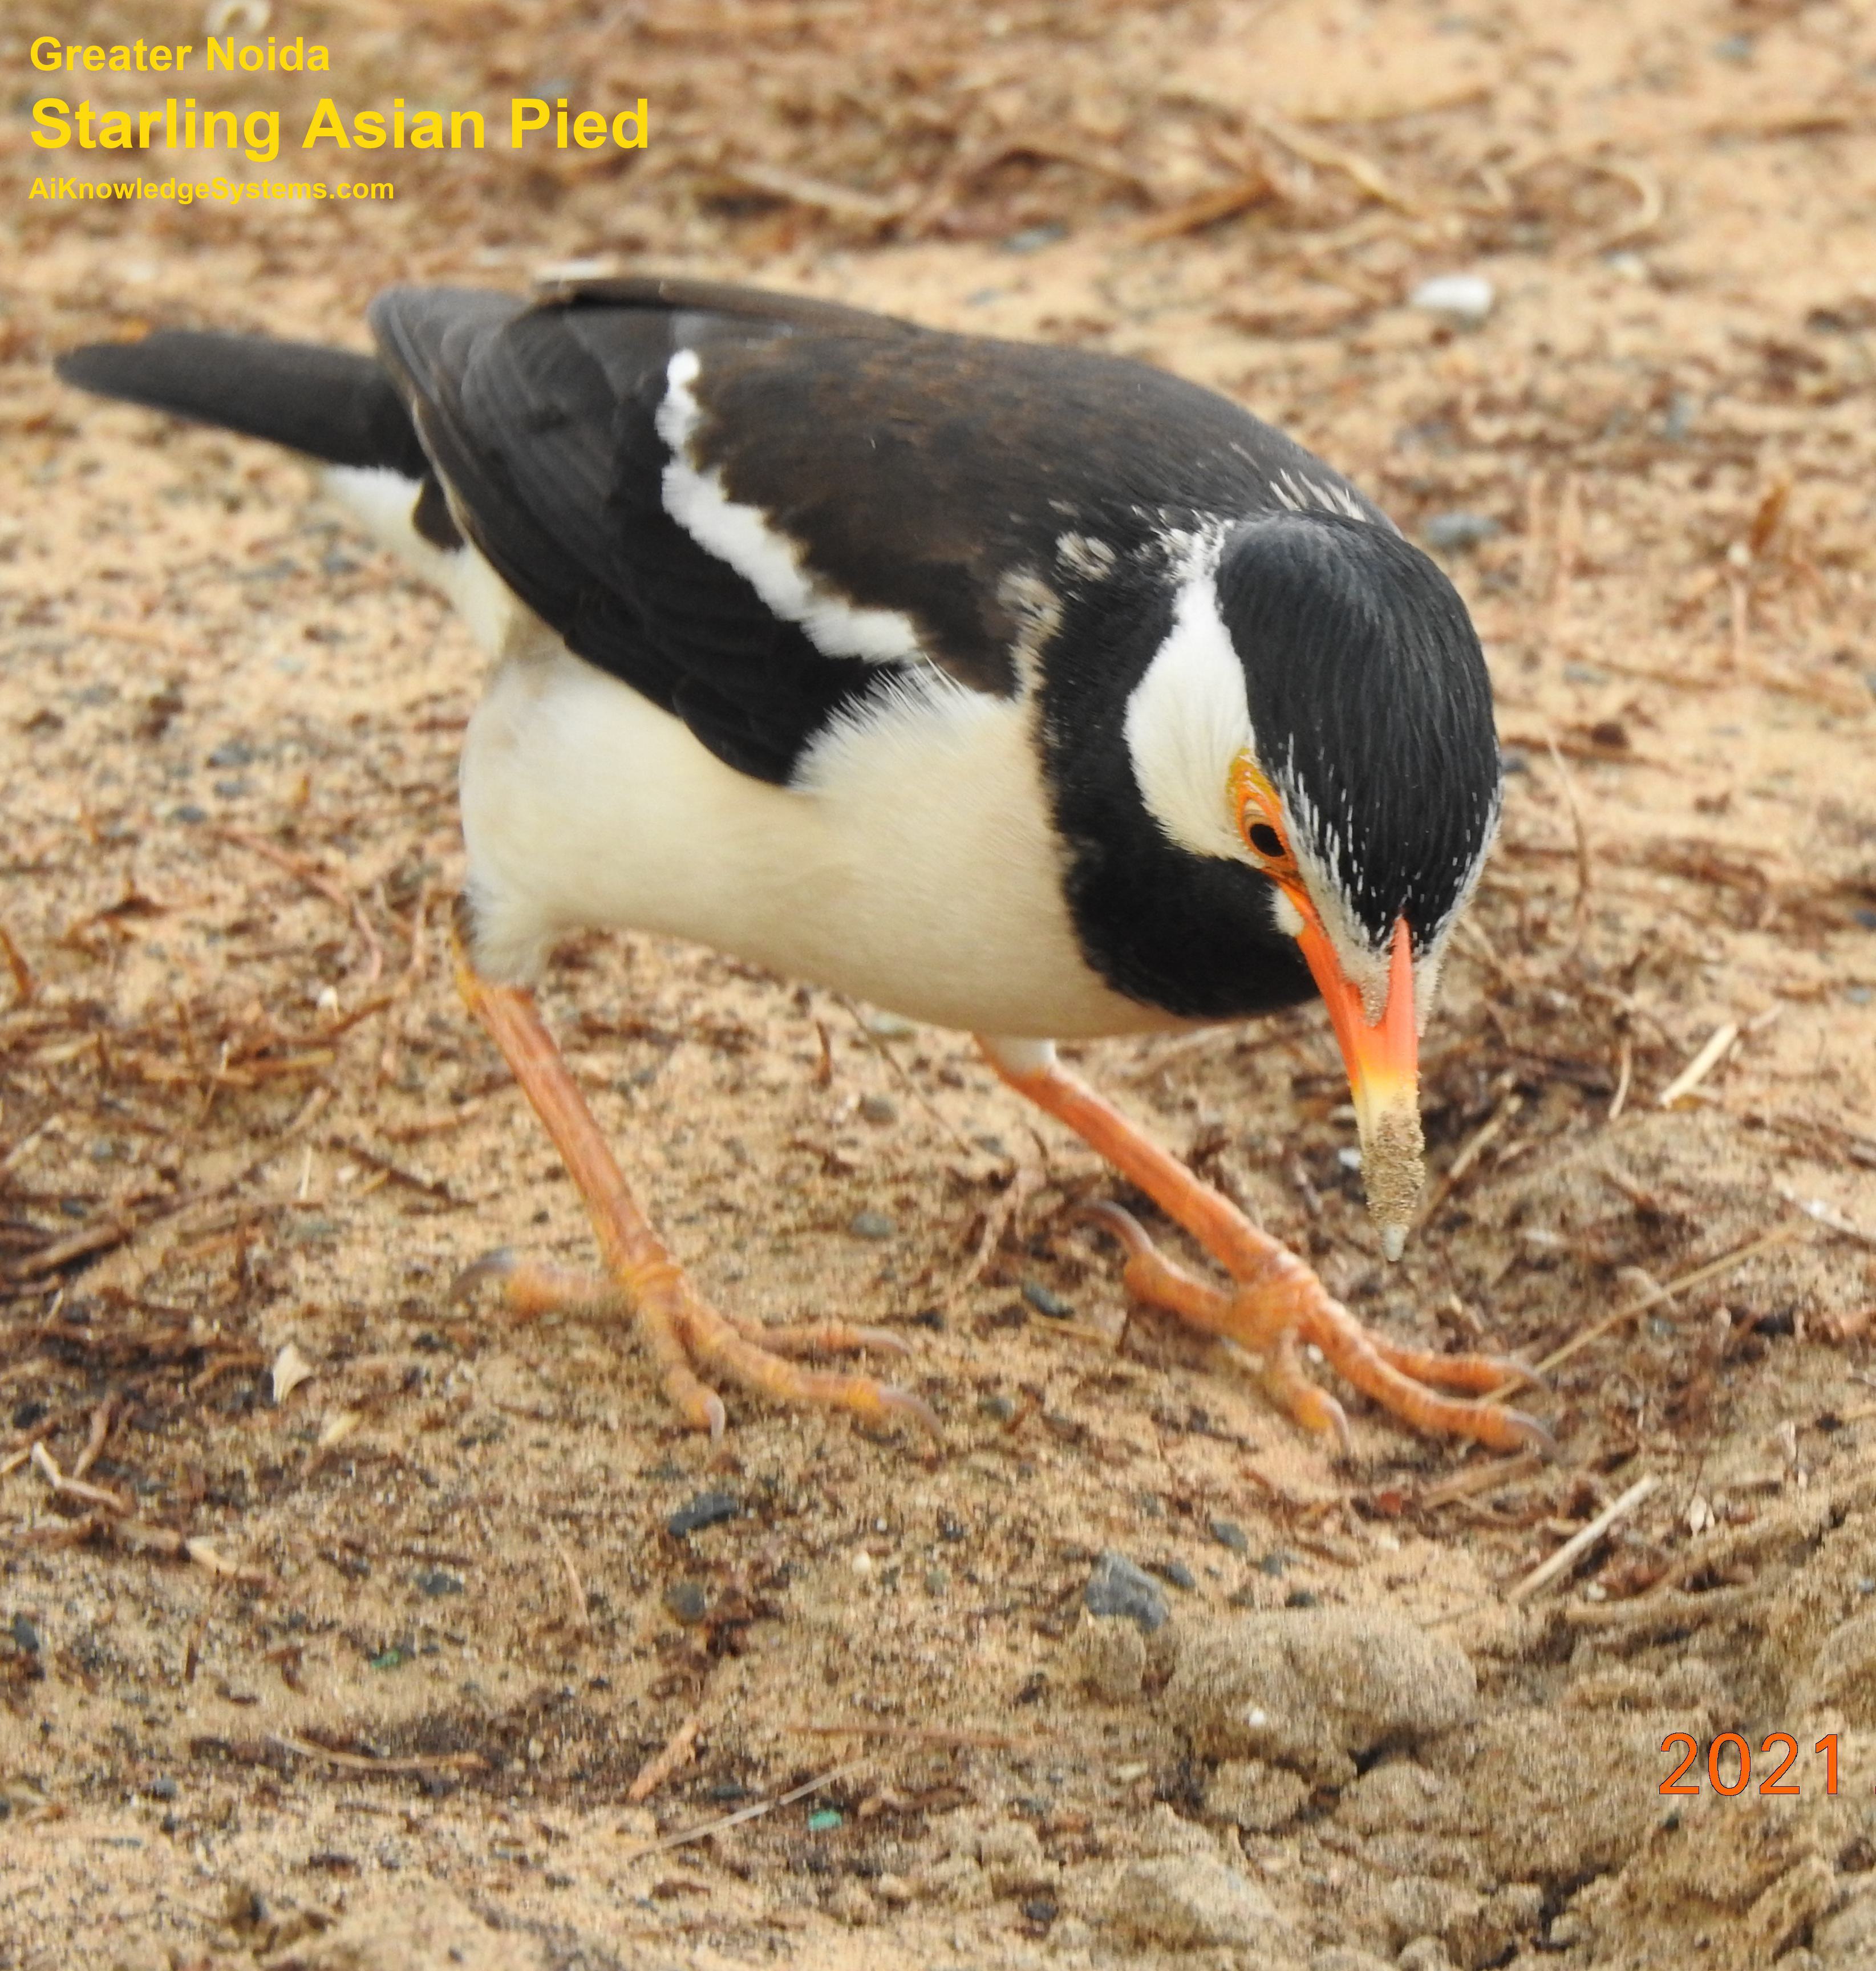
x=1187 y=1900
x=1309 y=1689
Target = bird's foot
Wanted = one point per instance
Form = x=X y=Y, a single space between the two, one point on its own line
x=1279 y=1304
x=684 y=1334
x=531 y=1287
x=756 y=1357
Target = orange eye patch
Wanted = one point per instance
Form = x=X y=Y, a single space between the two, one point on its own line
x=1259 y=813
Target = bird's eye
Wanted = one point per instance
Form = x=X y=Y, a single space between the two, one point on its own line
x=1266 y=840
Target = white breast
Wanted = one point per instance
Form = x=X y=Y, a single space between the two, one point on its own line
x=912 y=863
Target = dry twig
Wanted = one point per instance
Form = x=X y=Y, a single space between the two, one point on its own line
x=1580 y=1542
x=675 y=1752
x=77 y=1488
x=1698 y=1277
x=1702 y=1064
x=361 y=1762
x=753 y=1812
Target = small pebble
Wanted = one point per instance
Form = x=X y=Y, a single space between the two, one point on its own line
x=872 y=1225
x=1456 y=531
x=25 y=1635
x=1001 y=1408
x=164 y=1788
x=1276 y=1561
x=823 y=1819
x=888 y=1026
x=188 y=813
x=1301 y=1597
x=877 y=1109
x=1228 y=1533
x=1465 y=298
x=707 y=1509
x=232 y=753
x=1176 y=1572
x=1033 y=239
x=1118 y=1587
x=1866 y=917
x=1858 y=996
x=1044 y=1301
x=435 y=1580
x=685 y=1602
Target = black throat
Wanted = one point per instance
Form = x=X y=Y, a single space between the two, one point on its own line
x=1191 y=935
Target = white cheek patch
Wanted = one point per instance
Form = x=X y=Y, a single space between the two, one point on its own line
x=772 y=563
x=1187 y=721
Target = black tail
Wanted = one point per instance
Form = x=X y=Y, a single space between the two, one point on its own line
x=327 y=402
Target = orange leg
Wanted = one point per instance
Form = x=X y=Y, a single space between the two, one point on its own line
x=1278 y=1302
x=680 y=1329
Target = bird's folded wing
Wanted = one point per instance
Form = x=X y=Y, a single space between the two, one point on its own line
x=814 y=500
x=541 y=421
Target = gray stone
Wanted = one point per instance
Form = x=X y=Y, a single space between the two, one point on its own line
x=1117 y=1587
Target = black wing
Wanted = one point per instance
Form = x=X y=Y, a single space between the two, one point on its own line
x=914 y=471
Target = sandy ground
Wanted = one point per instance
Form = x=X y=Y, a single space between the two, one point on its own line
x=374 y=1613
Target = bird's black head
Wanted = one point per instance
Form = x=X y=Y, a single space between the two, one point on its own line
x=1312 y=783
x=1372 y=716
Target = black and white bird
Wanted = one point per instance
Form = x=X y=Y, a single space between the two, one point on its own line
x=1014 y=687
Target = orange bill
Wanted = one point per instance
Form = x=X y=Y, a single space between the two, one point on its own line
x=1382 y=1057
